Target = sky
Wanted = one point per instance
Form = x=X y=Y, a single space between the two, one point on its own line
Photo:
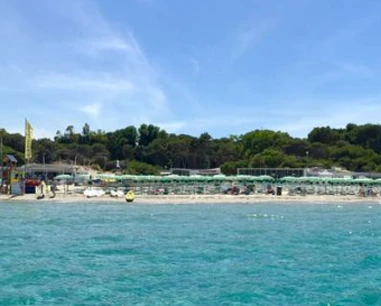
x=222 y=67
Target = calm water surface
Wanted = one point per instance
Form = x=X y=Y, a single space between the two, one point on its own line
x=118 y=254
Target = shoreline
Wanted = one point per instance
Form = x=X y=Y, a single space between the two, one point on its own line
x=197 y=199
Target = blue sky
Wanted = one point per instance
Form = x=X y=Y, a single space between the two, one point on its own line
x=223 y=67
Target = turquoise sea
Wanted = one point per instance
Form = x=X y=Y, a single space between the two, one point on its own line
x=122 y=254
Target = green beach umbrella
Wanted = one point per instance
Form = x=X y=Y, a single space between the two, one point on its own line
x=288 y=179
x=364 y=180
x=377 y=181
x=309 y=179
x=166 y=179
x=266 y=178
x=257 y=179
x=197 y=177
x=63 y=177
x=219 y=177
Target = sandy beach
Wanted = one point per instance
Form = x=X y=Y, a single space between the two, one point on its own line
x=197 y=199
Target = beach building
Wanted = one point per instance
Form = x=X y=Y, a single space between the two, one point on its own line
x=273 y=172
x=9 y=173
x=50 y=170
x=189 y=172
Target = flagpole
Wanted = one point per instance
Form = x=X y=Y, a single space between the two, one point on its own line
x=27 y=149
x=25 y=155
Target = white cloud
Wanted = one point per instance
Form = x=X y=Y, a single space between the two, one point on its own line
x=73 y=82
x=224 y=121
x=16 y=68
x=92 y=109
x=172 y=127
x=96 y=60
x=38 y=133
x=42 y=133
x=99 y=45
x=333 y=113
x=248 y=37
x=112 y=43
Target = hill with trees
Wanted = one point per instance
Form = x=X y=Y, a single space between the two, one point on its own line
x=147 y=149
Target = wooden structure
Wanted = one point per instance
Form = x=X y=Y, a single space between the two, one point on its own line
x=9 y=164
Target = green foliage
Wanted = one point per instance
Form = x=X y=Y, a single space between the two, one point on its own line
x=226 y=150
x=147 y=134
x=136 y=167
x=14 y=141
x=230 y=168
x=257 y=141
x=297 y=147
x=157 y=152
x=273 y=158
x=118 y=139
x=291 y=161
x=45 y=150
x=148 y=148
x=324 y=135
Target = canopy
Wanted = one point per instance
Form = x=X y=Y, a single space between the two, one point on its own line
x=219 y=177
x=288 y=179
x=310 y=179
x=265 y=178
x=364 y=180
x=63 y=177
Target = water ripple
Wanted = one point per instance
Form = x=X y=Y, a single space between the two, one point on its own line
x=114 y=254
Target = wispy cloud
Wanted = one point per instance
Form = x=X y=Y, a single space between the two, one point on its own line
x=70 y=58
x=15 y=68
x=249 y=36
x=333 y=113
x=202 y=124
x=172 y=126
x=76 y=83
x=92 y=109
x=99 y=61
x=297 y=118
x=97 y=46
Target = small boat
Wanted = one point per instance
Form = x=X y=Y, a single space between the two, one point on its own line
x=116 y=194
x=91 y=193
x=130 y=196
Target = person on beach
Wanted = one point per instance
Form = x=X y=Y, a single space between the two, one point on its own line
x=270 y=190
x=41 y=188
x=370 y=192
x=234 y=190
x=53 y=189
x=361 y=191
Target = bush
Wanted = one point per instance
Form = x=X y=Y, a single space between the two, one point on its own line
x=136 y=167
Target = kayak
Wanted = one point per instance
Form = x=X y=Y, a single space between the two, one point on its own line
x=130 y=196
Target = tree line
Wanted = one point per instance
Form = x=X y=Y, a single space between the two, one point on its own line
x=147 y=149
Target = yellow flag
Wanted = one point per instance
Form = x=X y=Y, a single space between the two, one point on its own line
x=28 y=140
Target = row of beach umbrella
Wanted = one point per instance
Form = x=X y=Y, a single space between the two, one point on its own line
x=192 y=178
x=330 y=180
x=223 y=178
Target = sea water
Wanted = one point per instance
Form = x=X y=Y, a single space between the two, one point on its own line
x=122 y=254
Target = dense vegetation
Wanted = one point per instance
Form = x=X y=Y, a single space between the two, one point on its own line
x=147 y=149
